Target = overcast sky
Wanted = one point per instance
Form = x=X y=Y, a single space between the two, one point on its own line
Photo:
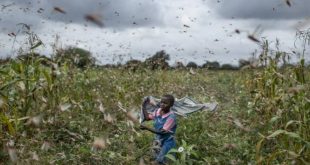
x=188 y=30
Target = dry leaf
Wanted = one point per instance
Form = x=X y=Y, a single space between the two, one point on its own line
x=108 y=141
x=44 y=99
x=65 y=106
x=120 y=106
x=45 y=146
x=101 y=108
x=238 y=124
x=141 y=162
x=295 y=90
x=229 y=146
x=1 y=102
x=21 y=85
x=12 y=154
x=98 y=144
x=35 y=121
x=191 y=71
x=35 y=156
x=131 y=139
x=108 y=118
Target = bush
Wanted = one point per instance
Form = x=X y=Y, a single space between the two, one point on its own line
x=5 y=60
x=228 y=67
x=243 y=63
x=158 y=61
x=211 y=65
x=76 y=56
x=192 y=65
x=178 y=65
x=133 y=65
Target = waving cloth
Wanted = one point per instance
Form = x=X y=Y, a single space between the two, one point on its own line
x=182 y=107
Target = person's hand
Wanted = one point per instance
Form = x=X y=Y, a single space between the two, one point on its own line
x=142 y=127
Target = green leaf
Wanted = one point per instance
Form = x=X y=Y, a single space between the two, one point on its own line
x=3 y=72
x=290 y=134
x=48 y=78
x=258 y=147
x=293 y=154
x=276 y=133
x=194 y=154
x=272 y=120
x=273 y=156
x=307 y=105
x=171 y=157
x=302 y=62
x=293 y=135
x=9 y=84
x=173 y=150
x=184 y=143
x=291 y=122
x=17 y=67
x=6 y=122
x=37 y=44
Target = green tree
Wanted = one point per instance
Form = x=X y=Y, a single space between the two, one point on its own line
x=133 y=65
x=179 y=65
x=76 y=56
x=192 y=65
x=211 y=65
x=243 y=63
x=4 y=60
x=158 y=61
x=228 y=67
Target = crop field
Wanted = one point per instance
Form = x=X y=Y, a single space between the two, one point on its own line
x=60 y=114
x=74 y=77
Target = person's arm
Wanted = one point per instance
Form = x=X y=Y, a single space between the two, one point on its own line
x=161 y=132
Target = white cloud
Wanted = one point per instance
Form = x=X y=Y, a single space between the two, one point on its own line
x=189 y=30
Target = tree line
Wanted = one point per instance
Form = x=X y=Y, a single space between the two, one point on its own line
x=80 y=58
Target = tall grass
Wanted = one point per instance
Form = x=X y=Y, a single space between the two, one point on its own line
x=282 y=110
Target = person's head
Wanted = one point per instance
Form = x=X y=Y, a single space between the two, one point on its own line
x=166 y=102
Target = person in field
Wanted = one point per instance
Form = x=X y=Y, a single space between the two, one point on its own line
x=164 y=126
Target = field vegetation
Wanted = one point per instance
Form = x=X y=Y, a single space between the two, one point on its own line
x=56 y=112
